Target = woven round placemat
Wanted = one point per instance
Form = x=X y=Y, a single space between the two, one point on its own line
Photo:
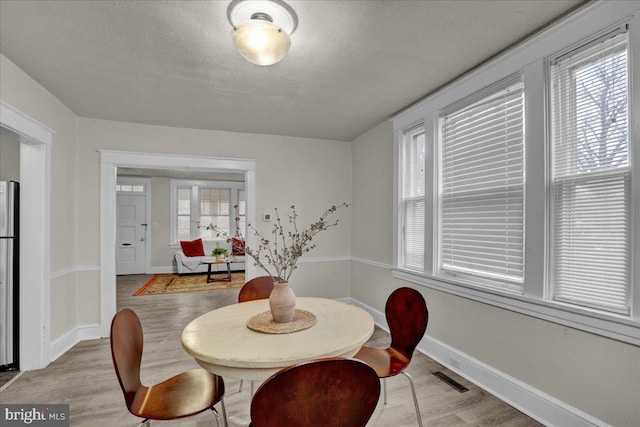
x=264 y=322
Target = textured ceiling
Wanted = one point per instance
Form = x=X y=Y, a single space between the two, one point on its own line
x=352 y=64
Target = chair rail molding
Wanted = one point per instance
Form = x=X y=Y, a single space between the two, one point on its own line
x=35 y=210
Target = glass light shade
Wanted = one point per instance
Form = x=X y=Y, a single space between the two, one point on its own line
x=261 y=42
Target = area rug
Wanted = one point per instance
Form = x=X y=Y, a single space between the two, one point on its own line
x=172 y=283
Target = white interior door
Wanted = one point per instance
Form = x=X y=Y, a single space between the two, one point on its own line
x=131 y=234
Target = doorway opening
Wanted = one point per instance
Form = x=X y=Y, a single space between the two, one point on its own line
x=110 y=163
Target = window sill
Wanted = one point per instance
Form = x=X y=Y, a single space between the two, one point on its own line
x=608 y=325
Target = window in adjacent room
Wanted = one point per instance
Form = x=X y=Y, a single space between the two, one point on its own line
x=184 y=213
x=214 y=209
x=203 y=202
x=130 y=188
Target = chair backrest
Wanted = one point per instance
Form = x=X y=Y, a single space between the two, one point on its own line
x=256 y=288
x=335 y=392
x=407 y=316
x=126 y=351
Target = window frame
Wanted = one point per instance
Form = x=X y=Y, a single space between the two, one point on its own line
x=410 y=133
x=535 y=54
x=485 y=94
x=550 y=62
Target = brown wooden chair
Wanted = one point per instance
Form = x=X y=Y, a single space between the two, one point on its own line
x=334 y=392
x=407 y=316
x=183 y=395
x=256 y=288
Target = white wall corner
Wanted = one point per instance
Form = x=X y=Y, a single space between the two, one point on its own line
x=538 y=405
x=61 y=345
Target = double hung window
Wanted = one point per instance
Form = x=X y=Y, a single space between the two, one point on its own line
x=591 y=175
x=184 y=213
x=481 y=189
x=202 y=203
x=413 y=198
x=215 y=209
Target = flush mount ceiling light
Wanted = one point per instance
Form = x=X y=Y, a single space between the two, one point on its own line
x=261 y=29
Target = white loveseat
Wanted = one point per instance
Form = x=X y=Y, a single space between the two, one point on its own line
x=194 y=264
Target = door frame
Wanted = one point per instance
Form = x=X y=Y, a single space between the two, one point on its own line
x=147 y=214
x=110 y=160
x=35 y=236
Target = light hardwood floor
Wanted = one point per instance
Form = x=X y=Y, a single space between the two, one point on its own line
x=84 y=376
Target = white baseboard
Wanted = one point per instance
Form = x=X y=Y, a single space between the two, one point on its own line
x=379 y=317
x=538 y=405
x=80 y=333
x=162 y=270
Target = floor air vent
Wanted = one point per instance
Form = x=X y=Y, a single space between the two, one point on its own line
x=453 y=383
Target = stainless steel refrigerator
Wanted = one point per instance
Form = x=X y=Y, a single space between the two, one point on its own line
x=9 y=268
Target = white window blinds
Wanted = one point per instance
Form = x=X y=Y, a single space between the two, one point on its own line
x=482 y=190
x=184 y=213
x=413 y=198
x=214 y=209
x=591 y=175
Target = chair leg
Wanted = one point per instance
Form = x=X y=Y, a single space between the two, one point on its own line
x=217 y=415
x=224 y=413
x=240 y=388
x=145 y=423
x=384 y=389
x=415 y=399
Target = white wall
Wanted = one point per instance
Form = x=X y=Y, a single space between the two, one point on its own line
x=310 y=173
x=9 y=155
x=161 y=253
x=25 y=94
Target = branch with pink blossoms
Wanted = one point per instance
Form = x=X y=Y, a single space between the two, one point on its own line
x=279 y=255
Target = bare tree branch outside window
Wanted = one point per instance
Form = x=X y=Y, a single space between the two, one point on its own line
x=601 y=113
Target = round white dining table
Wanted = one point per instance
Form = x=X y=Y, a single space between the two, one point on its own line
x=221 y=342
